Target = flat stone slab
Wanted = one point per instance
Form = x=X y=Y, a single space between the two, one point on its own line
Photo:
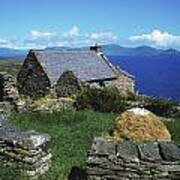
x=170 y=152
x=149 y=152
x=127 y=150
x=24 y=139
x=102 y=146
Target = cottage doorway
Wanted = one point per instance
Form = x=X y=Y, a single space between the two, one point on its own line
x=1 y=88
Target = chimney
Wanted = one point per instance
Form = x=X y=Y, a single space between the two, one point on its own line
x=95 y=48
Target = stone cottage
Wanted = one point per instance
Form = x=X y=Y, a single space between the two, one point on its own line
x=42 y=70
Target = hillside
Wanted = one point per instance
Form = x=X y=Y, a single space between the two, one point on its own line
x=11 y=66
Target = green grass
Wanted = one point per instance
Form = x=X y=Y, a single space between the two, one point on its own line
x=72 y=134
x=174 y=128
x=11 y=66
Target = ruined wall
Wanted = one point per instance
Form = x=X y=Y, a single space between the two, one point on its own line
x=8 y=90
x=124 y=84
x=1 y=88
x=67 y=85
x=113 y=160
x=32 y=80
x=27 y=150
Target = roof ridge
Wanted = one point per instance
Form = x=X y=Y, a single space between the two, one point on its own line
x=108 y=62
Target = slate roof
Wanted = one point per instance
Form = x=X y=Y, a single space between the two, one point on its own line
x=86 y=65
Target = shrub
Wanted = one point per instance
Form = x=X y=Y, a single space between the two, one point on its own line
x=103 y=100
x=161 y=107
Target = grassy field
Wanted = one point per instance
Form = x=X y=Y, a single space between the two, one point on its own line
x=10 y=66
x=72 y=133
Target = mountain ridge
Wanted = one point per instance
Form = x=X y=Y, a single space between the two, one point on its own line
x=108 y=49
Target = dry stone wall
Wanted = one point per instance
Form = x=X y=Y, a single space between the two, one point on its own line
x=8 y=90
x=126 y=160
x=67 y=85
x=6 y=108
x=32 y=81
x=27 y=150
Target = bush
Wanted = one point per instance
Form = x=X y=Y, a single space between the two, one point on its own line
x=161 y=107
x=103 y=100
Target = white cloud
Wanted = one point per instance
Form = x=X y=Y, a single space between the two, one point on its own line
x=72 y=37
x=5 y=43
x=103 y=37
x=157 y=38
x=74 y=31
x=35 y=35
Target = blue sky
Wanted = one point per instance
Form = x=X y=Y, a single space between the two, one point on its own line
x=40 y=23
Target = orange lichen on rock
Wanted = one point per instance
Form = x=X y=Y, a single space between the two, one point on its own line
x=140 y=125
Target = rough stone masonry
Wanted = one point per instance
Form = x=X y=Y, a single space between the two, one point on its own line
x=126 y=160
x=28 y=150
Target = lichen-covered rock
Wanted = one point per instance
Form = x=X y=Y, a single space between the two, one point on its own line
x=67 y=85
x=140 y=125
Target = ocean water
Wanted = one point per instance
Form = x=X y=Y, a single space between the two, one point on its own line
x=155 y=75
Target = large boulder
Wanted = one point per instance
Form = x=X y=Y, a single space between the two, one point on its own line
x=140 y=125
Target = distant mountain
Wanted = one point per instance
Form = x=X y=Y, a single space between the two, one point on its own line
x=12 y=53
x=116 y=50
x=109 y=50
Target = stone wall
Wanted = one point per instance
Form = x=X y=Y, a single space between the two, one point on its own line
x=27 y=150
x=124 y=83
x=6 y=108
x=67 y=85
x=125 y=160
x=8 y=90
x=32 y=81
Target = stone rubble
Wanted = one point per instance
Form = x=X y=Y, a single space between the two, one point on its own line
x=27 y=150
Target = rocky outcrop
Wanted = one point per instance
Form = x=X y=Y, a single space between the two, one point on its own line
x=27 y=150
x=126 y=160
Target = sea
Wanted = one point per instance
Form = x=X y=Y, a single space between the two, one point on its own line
x=156 y=76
